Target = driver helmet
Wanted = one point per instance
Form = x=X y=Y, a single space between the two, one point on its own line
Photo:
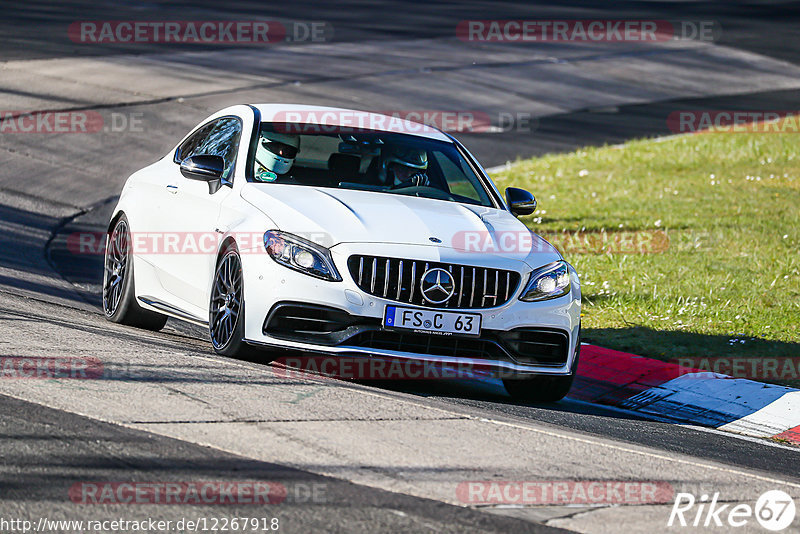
x=409 y=157
x=276 y=152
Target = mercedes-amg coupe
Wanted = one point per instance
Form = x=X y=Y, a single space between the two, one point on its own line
x=343 y=233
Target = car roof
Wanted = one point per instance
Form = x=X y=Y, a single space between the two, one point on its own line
x=343 y=117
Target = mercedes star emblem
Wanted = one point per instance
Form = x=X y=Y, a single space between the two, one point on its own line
x=437 y=285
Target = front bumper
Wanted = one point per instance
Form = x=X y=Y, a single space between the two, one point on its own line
x=517 y=339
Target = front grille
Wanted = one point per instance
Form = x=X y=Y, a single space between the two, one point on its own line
x=396 y=279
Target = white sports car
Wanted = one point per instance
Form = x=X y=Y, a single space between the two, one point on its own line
x=344 y=233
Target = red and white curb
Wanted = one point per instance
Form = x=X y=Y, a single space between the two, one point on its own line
x=682 y=394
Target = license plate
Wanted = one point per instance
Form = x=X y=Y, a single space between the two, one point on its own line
x=432 y=322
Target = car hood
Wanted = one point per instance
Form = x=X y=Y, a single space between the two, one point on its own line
x=332 y=216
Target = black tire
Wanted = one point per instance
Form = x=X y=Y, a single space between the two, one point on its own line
x=542 y=388
x=226 y=307
x=119 y=295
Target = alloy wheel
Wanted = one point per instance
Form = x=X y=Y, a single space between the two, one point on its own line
x=226 y=300
x=116 y=264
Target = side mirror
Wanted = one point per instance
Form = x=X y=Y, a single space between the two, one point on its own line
x=519 y=201
x=205 y=168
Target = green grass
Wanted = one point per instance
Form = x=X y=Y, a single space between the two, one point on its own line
x=730 y=206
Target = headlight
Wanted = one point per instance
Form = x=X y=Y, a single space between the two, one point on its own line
x=548 y=282
x=301 y=255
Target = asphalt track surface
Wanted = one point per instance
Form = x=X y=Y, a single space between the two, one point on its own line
x=55 y=435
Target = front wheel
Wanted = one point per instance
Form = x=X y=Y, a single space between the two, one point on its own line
x=226 y=310
x=119 y=297
x=542 y=388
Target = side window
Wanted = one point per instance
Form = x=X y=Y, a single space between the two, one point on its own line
x=188 y=148
x=219 y=138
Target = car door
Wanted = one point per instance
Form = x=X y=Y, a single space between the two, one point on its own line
x=191 y=213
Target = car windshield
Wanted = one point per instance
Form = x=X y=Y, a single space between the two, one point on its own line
x=375 y=161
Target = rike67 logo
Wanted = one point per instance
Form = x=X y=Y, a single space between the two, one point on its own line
x=774 y=510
